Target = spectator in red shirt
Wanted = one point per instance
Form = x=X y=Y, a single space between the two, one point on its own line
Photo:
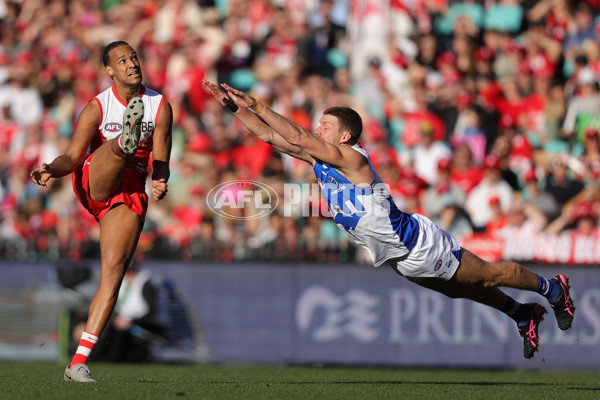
x=465 y=173
x=512 y=105
x=413 y=121
x=498 y=218
x=251 y=157
x=376 y=144
x=483 y=60
x=585 y=217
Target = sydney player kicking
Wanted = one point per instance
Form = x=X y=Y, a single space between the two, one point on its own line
x=108 y=157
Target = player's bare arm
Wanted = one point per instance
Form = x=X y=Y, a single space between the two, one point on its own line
x=161 y=151
x=66 y=163
x=259 y=128
x=350 y=163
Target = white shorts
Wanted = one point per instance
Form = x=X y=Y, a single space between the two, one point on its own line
x=436 y=254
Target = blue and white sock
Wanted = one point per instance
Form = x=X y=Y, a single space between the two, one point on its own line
x=549 y=289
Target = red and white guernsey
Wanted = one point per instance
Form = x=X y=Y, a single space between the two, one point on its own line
x=112 y=108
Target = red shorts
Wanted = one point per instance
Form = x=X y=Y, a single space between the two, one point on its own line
x=131 y=192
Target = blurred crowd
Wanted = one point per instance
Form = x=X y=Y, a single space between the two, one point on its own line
x=482 y=114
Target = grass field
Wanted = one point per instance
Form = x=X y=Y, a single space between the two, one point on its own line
x=149 y=382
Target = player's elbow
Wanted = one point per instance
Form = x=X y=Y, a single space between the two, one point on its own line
x=269 y=138
x=296 y=138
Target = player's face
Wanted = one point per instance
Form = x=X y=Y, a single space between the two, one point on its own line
x=330 y=130
x=124 y=65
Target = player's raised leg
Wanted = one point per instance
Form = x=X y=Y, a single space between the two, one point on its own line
x=110 y=160
x=527 y=316
x=119 y=233
x=475 y=271
x=479 y=280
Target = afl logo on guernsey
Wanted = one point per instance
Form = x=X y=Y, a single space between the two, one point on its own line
x=113 y=127
x=438 y=264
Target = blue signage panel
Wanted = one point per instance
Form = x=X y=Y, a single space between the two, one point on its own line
x=362 y=315
x=344 y=314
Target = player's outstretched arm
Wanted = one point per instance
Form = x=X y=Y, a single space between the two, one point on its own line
x=64 y=164
x=352 y=164
x=286 y=128
x=259 y=128
x=161 y=151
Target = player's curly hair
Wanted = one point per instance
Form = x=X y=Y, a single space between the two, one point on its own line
x=348 y=118
x=108 y=48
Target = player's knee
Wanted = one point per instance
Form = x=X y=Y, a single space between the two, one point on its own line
x=490 y=282
x=98 y=197
x=113 y=271
x=112 y=279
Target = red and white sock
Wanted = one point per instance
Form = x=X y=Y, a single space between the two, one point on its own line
x=86 y=344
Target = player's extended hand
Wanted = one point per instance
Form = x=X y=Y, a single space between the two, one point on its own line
x=159 y=189
x=41 y=175
x=240 y=98
x=219 y=95
x=214 y=91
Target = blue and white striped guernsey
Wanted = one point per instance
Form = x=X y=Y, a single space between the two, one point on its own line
x=368 y=213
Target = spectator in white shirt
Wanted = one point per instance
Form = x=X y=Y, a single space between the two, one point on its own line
x=492 y=184
x=428 y=153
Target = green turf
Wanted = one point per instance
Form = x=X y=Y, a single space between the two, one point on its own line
x=149 y=382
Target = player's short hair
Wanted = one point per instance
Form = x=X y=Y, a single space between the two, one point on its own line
x=109 y=47
x=348 y=119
